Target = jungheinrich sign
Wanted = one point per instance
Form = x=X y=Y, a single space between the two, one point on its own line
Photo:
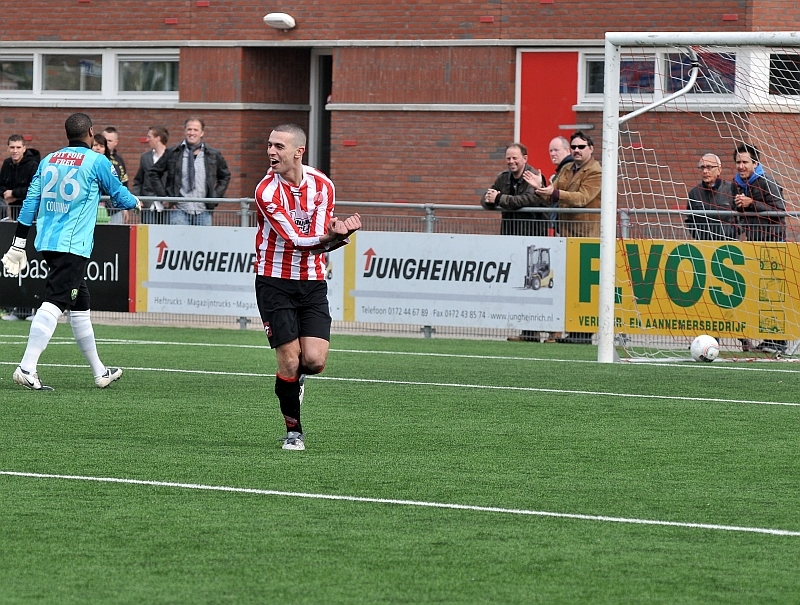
x=451 y=280
x=197 y=270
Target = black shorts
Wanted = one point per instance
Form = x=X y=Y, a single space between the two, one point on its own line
x=66 y=283
x=291 y=308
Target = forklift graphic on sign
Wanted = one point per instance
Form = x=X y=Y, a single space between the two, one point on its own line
x=539 y=272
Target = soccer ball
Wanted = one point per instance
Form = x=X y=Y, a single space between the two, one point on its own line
x=704 y=348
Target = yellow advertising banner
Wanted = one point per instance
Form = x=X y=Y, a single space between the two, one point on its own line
x=670 y=287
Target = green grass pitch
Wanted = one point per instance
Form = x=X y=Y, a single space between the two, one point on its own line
x=510 y=431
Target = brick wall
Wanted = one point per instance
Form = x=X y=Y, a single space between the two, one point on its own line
x=417 y=157
x=377 y=19
x=424 y=75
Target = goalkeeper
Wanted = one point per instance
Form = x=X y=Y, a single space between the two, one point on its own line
x=63 y=199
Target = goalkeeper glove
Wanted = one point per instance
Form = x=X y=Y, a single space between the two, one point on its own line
x=15 y=260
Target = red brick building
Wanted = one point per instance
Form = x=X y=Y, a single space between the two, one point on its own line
x=403 y=101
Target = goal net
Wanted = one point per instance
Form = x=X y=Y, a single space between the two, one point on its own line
x=689 y=256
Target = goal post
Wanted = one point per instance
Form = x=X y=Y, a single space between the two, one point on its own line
x=666 y=274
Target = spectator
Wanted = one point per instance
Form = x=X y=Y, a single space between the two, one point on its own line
x=561 y=157
x=511 y=192
x=193 y=169
x=754 y=192
x=69 y=180
x=116 y=216
x=15 y=176
x=112 y=140
x=157 y=138
x=577 y=186
x=100 y=145
x=712 y=194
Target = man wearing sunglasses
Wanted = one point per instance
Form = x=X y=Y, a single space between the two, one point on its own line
x=576 y=186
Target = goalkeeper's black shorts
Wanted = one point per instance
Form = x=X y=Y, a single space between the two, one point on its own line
x=292 y=308
x=66 y=283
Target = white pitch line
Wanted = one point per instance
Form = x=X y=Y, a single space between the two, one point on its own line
x=481 y=509
x=687 y=364
x=437 y=384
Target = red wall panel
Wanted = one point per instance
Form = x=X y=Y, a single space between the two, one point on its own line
x=548 y=92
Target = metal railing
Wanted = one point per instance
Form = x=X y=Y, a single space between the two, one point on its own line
x=425 y=218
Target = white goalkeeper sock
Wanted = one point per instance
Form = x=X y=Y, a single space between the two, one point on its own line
x=42 y=328
x=83 y=332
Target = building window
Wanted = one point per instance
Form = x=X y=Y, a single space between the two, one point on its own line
x=636 y=76
x=16 y=74
x=80 y=73
x=145 y=75
x=717 y=73
x=45 y=75
x=784 y=75
x=595 y=77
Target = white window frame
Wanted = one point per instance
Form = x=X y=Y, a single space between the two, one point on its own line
x=109 y=91
x=594 y=101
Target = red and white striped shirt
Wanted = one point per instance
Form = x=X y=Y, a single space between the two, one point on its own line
x=291 y=221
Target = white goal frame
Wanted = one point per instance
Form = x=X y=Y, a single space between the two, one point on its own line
x=614 y=43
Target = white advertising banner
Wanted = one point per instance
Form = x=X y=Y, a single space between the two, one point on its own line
x=493 y=281
x=201 y=270
x=451 y=280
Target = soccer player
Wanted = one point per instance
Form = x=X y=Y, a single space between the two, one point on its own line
x=296 y=227
x=63 y=198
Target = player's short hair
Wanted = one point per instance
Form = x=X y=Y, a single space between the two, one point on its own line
x=298 y=134
x=111 y=130
x=581 y=135
x=522 y=149
x=16 y=137
x=77 y=126
x=195 y=119
x=746 y=148
x=161 y=132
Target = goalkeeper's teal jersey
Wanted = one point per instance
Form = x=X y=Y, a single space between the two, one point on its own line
x=64 y=195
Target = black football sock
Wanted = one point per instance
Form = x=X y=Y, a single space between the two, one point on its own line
x=288 y=392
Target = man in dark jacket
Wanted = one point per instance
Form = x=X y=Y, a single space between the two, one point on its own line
x=193 y=170
x=152 y=212
x=756 y=193
x=15 y=175
x=511 y=192
x=712 y=194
